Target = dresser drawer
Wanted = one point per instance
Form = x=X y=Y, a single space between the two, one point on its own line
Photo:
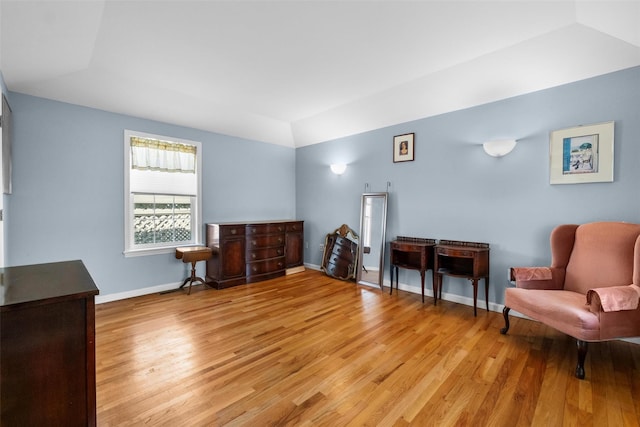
x=294 y=226
x=455 y=252
x=265 y=253
x=338 y=267
x=232 y=230
x=340 y=261
x=264 y=241
x=265 y=266
x=253 y=229
x=406 y=247
x=348 y=253
x=346 y=243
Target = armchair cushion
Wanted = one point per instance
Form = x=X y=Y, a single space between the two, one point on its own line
x=560 y=309
x=613 y=298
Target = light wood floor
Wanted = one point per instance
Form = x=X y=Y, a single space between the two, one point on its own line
x=307 y=350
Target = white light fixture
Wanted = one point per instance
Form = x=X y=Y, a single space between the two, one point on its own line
x=499 y=148
x=338 y=168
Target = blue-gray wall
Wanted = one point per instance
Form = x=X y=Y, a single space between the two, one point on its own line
x=67 y=200
x=453 y=190
x=68 y=181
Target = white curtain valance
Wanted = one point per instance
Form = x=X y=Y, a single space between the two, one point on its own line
x=156 y=155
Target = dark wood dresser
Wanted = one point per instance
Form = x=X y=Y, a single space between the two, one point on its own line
x=47 y=345
x=249 y=252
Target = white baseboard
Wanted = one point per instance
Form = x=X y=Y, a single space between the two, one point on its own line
x=459 y=299
x=445 y=296
x=313 y=267
x=101 y=299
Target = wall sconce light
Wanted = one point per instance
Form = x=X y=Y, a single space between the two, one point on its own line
x=338 y=168
x=499 y=148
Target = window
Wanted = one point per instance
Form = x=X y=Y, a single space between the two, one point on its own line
x=162 y=193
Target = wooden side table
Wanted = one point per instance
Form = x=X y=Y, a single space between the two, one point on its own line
x=463 y=259
x=193 y=254
x=415 y=254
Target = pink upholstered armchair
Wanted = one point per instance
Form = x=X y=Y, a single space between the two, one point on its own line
x=590 y=291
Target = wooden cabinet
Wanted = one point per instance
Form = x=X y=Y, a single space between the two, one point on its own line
x=251 y=252
x=226 y=267
x=47 y=346
x=294 y=244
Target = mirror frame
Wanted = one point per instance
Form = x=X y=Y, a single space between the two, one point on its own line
x=343 y=231
x=383 y=228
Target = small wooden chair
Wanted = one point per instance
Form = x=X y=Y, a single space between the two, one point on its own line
x=193 y=254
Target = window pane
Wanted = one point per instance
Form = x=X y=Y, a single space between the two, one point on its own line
x=161 y=219
x=182 y=218
x=144 y=219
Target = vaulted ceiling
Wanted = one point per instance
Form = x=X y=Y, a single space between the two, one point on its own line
x=296 y=73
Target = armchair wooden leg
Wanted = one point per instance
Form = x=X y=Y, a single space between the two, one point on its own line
x=582 y=354
x=505 y=314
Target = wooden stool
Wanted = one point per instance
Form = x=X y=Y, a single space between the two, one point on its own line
x=193 y=254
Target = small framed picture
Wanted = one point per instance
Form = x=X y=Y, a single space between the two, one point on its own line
x=403 y=148
x=582 y=154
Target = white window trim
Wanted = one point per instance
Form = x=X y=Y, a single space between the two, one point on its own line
x=128 y=226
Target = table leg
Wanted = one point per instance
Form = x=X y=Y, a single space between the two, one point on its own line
x=391 y=274
x=422 y=283
x=185 y=282
x=435 y=288
x=486 y=291
x=193 y=275
x=192 y=278
x=475 y=297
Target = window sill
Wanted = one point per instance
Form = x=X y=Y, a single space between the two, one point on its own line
x=149 y=251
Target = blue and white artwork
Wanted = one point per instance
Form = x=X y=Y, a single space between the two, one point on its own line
x=580 y=155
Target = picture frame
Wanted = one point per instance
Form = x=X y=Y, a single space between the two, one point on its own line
x=581 y=154
x=403 y=147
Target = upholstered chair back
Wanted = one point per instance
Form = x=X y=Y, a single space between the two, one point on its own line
x=603 y=255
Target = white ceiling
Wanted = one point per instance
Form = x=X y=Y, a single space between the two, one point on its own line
x=296 y=73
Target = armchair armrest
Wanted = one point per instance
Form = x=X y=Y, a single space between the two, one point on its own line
x=613 y=298
x=535 y=278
